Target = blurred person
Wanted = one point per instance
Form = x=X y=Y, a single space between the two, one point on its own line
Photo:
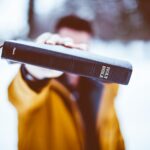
x=47 y=112
x=95 y=100
x=87 y=92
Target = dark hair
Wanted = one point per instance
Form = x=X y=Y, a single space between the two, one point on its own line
x=75 y=23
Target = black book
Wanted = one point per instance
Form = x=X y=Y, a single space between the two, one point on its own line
x=68 y=60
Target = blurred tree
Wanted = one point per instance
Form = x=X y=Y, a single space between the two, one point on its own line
x=144 y=9
x=113 y=19
x=31 y=16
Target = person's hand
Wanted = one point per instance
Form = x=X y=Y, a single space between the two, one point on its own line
x=52 y=39
x=55 y=39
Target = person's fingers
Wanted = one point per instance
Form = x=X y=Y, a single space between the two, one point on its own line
x=54 y=40
x=81 y=46
x=50 y=42
x=43 y=37
x=68 y=42
x=57 y=40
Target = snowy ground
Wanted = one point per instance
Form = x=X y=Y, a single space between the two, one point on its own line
x=133 y=107
x=8 y=114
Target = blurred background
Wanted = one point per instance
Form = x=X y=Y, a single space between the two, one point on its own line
x=122 y=30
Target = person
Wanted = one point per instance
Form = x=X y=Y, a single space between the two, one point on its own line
x=48 y=116
x=80 y=30
x=87 y=92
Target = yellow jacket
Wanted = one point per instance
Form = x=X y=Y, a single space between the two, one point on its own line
x=50 y=120
x=110 y=137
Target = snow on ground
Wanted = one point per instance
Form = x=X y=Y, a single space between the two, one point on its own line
x=133 y=108
x=8 y=114
x=13 y=23
x=13 y=18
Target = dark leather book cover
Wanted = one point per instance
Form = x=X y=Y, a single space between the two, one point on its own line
x=68 y=60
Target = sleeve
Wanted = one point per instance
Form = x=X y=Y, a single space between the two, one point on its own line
x=35 y=84
x=23 y=97
x=53 y=126
x=110 y=136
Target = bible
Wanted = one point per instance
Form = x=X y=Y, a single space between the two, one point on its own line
x=69 y=60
